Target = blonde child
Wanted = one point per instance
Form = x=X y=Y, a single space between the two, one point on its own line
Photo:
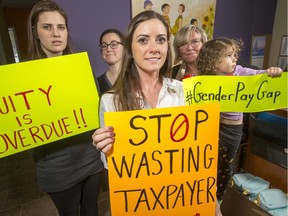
x=219 y=57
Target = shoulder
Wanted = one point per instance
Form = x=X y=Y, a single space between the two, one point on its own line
x=173 y=84
x=101 y=77
x=107 y=97
x=107 y=102
x=172 y=93
x=176 y=67
x=103 y=83
x=175 y=70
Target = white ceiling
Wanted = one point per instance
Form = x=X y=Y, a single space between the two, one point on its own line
x=17 y=3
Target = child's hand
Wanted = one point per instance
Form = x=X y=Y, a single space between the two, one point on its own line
x=274 y=72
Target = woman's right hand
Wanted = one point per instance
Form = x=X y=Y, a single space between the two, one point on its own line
x=103 y=138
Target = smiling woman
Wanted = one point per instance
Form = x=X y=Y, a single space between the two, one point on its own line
x=187 y=44
x=144 y=83
x=111 y=45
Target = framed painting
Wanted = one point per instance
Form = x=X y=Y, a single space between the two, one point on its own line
x=282 y=63
x=284 y=46
x=196 y=12
x=260 y=50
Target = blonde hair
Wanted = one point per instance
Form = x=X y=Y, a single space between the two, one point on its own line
x=182 y=37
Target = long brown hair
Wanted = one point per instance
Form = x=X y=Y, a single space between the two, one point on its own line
x=127 y=89
x=35 y=50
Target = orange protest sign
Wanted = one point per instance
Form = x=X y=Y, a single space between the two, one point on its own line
x=164 y=161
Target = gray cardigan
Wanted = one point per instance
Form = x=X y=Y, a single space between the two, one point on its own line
x=64 y=163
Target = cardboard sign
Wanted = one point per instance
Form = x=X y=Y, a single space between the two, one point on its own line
x=238 y=93
x=164 y=161
x=46 y=100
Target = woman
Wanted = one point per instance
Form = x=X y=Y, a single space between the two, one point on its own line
x=142 y=83
x=111 y=46
x=69 y=170
x=187 y=44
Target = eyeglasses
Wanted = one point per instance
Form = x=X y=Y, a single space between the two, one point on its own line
x=193 y=43
x=114 y=44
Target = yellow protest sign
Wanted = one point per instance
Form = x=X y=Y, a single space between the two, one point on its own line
x=164 y=161
x=46 y=100
x=238 y=93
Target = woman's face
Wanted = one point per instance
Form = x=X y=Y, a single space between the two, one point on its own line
x=52 y=33
x=149 y=46
x=112 y=56
x=190 y=51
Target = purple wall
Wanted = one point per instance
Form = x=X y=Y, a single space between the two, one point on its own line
x=88 y=19
x=242 y=19
x=233 y=18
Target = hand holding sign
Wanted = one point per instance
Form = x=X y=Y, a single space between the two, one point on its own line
x=163 y=162
x=45 y=104
x=238 y=93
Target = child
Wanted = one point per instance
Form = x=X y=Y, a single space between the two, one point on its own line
x=219 y=57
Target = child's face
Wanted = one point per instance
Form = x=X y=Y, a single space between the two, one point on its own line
x=228 y=62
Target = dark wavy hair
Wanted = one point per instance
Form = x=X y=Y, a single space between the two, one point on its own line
x=127 y=86
x=35 y=50
x=115 y=31
x=212 y=53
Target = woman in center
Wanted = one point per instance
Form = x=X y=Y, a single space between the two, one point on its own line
x=142 y=82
